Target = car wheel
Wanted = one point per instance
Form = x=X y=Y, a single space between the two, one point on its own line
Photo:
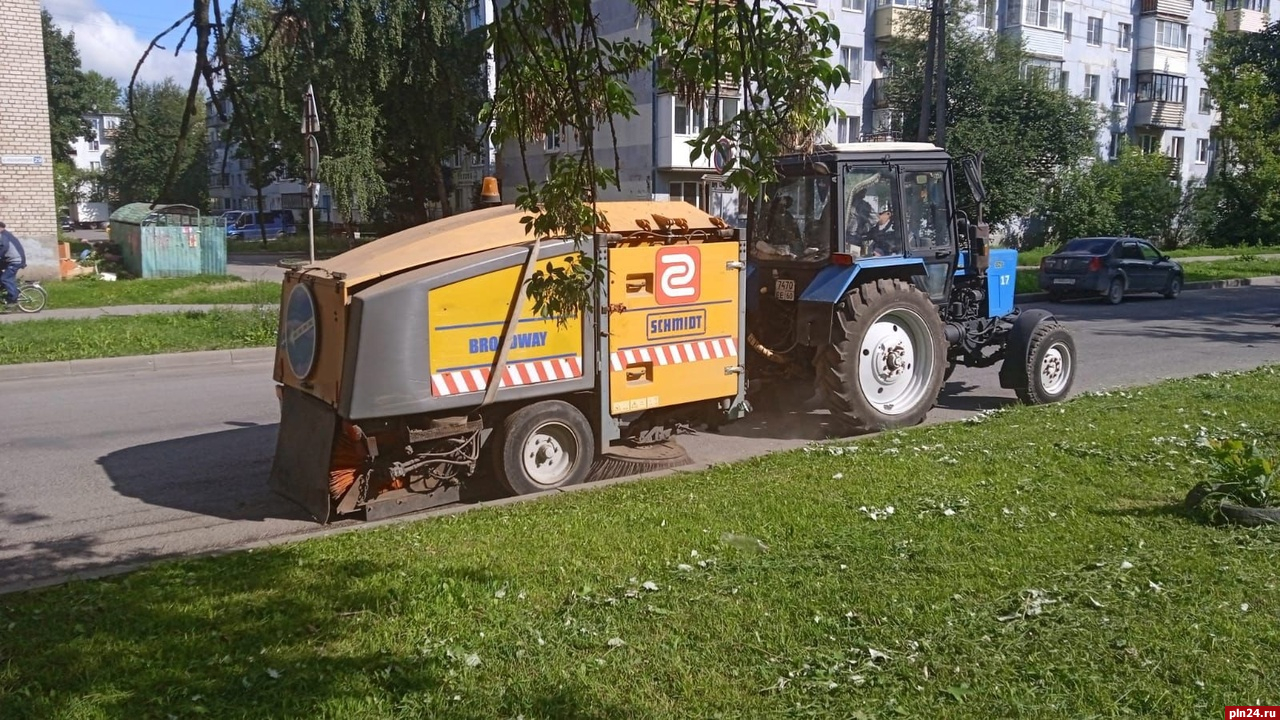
x=1115 y=292
x=1173 y=287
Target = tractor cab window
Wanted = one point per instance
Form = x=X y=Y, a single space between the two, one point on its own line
x=795 y=220
x=925 y=209
x=872 y=223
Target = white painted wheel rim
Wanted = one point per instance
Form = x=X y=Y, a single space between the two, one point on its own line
x=549 y=453
x=1055 y=368
x=895 y=362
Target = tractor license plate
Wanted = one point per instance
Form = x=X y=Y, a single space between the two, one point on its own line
x=785 y=290
x=1064 y=281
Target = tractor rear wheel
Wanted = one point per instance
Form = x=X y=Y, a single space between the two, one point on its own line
x=884 y=366
x=543 y=446
x=1050 y=366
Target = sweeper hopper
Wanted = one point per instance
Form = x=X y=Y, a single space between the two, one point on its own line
x=388 y=353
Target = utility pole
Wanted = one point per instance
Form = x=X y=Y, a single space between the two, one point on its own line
x=310 y=127
x=940 y=103
x=934 y=93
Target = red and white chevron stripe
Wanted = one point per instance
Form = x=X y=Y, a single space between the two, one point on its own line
x=675 y=353
x=457 y=382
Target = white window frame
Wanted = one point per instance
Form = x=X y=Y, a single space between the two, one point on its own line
x=849 y=129
x=1120 y=92
x=1092 y=87
x=853 y=5
x=1067 y=21
x=1202 y=151
x=1206 y=102
x=1126 y=36
x=988 y=11
x=1042 y=14
x=1093 y=31
x=851 y=60
x=1171 y=35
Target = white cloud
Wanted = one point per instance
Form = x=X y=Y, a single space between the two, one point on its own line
x=113 y=48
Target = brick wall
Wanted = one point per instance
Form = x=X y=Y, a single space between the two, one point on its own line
x=26 y=190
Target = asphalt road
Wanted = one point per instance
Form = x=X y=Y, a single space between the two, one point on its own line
x=107 y=471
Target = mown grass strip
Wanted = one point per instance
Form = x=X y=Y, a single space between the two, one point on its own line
x=1028 y=281
x=1033 y=257
x=218 y=329
x=195 y=290
x=1035 y=564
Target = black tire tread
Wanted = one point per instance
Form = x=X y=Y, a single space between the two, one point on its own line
x=502 y=452
x=834 y=358
x=1029 y=392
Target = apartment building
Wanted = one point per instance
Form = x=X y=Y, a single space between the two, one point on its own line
x=1138 y=60
x=86 y=153
x=230 y=187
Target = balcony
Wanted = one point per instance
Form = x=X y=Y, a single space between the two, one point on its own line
x=1245 y=16
x=1167 y=8
x=907 y=19
x=879 y=93
x=1041 y=42
x=1159 y=114
x=1162 y=46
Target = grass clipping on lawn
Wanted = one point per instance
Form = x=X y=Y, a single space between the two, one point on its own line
x=1032 y=562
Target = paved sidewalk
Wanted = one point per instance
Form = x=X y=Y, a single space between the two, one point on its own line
x=114 y=311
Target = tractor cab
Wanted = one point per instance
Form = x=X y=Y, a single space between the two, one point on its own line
x=877 y=204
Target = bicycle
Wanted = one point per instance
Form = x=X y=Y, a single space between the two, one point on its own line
x=31 y=296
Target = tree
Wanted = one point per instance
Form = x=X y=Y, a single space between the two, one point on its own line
x=134 y=168
x=1131 y=196
x=101 y=93
x=999 y=105
x=66 y=86
x=1243 y=74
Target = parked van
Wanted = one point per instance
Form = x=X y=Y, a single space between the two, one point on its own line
x=246 y=227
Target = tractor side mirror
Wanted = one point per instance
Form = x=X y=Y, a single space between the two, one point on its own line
x=974 y=176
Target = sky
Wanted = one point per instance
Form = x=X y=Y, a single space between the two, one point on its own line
x=112 y=34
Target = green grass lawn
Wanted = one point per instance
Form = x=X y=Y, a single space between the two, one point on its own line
x=1027 y=281
x=51 y=340
x=1033 y=257
x=1035 y=564
x=196 y=290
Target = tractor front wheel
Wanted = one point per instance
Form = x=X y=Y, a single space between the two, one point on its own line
x=884 y=366
x=1050 y=366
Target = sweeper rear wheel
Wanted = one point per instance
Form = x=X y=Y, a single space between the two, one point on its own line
x=543 y=446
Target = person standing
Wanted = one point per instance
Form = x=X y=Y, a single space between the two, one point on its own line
x=12 y=259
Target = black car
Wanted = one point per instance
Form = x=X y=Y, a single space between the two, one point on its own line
x=1111 y=267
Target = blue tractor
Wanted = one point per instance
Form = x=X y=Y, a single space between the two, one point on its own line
x=865 y=281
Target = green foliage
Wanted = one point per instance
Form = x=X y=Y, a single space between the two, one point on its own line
x=1243 y=74
x=134 y=169
x=69 y=96
x=102 y=93
x=1130 y=196
x=560 y=74
x=1027 y=130
x=1243 y=474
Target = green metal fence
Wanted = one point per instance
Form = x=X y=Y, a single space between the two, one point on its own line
x=169 y=240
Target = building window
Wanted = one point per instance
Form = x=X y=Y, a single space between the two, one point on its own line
x=687 y=121
x=1113 y=150
x=1210 y=5
x=987 y=14
x=1206 y=104
x=854 y=5
x=1171 y=35
x=690 y=192
x=94 y=166
x=1066 y=25
x=1126 y=36
x=848 y=129
x=1042 y=13
x=1150 y=144
x=1092 y=87
x=851 y=59
x=1155 y=87
x=551 y=144
x=1202 y=151
x=1095 y=31
x=1175 y=151
x=1120 y=95
x=1064 y=81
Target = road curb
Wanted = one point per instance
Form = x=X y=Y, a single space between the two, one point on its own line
x=1264 y=281
x=136 y=363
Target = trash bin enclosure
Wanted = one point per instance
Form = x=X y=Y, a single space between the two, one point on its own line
x=169 y=240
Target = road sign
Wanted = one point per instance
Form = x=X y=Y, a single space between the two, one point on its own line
x=723 y=155
x=313 y=194
x=21 y=160
x=310 y=115
x=313 y=157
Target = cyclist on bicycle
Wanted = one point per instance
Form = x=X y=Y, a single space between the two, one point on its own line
x=12 y=259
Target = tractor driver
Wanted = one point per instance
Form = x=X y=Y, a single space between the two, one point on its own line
x=884 y=237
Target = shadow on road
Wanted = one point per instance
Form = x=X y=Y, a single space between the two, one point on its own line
x=222 y=474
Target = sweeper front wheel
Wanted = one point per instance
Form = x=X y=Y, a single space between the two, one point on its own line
x=543 y=446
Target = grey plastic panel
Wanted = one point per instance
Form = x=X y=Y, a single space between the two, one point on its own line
x=387 y=371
